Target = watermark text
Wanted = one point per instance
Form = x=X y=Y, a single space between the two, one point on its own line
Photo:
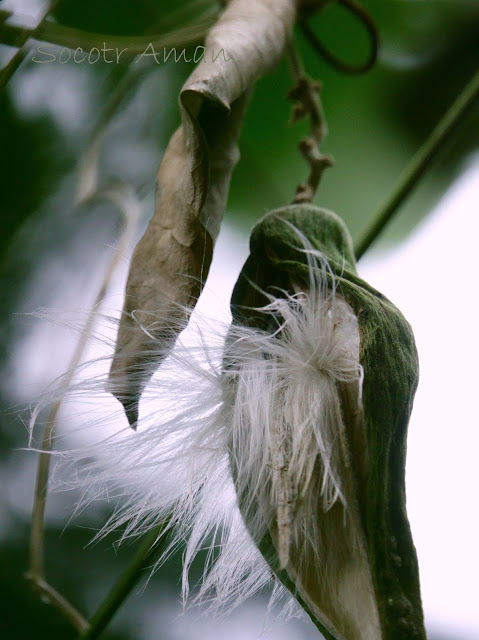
x=48 y=53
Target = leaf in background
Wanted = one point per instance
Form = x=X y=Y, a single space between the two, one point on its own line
x=171 y=261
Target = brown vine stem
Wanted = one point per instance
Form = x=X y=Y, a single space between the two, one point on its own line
x=306 y=103
x=35 y=574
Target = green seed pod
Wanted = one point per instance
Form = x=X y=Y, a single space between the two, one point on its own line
x=373 y=463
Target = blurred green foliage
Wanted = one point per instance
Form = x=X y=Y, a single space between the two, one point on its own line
x=47 y=115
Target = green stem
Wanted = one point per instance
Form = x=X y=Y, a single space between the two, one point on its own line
x=420 y=163
x=20 y=41
x=152 y=546
x=71 y=38
x=37 y=536
x=51 y=595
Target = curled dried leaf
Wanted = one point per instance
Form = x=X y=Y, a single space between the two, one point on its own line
x=171 y=261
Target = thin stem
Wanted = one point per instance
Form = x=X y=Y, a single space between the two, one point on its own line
x=295 y=62
x=132 y=73
x=152 y=546
x=21 y=42
x=12 y=65
x=71 y=38
x=35 y=574
x=420 y=162
x=365 y=17
x=38 y=515
x=37 y=538
x=305 y=95
x=54 y=598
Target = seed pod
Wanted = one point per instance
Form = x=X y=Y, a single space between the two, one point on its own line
x=335 y=528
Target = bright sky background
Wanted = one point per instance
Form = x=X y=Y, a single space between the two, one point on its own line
x=432 y=278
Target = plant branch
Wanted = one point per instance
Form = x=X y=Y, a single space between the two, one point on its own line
x=366 y=19
x=71 y=38
x=305 y=95
x=21 y=41
x=151 y=547
x=52 y=596
x=131 y=73
x=420 y=162
x=38 y=515
x=35 y=574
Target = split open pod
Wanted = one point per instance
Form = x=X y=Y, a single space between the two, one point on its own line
x=321 y=387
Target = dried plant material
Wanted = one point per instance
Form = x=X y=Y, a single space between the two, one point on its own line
x=345 y=548
x=306 y=103
x=171 y=261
